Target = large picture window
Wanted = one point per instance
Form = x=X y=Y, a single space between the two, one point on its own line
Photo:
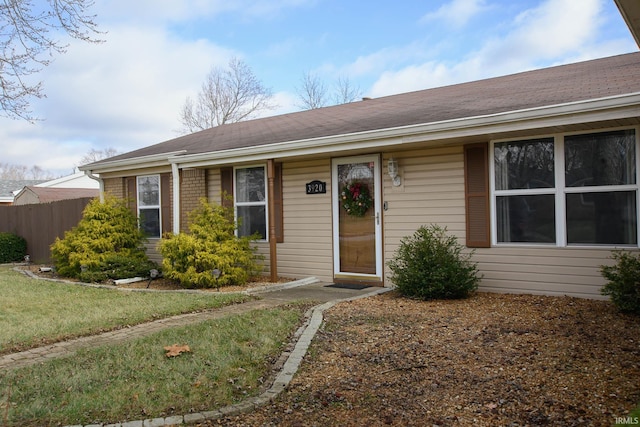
x=567 y=190
x=251 y=201
x=149 y=205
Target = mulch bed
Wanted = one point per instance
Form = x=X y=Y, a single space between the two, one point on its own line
x=491 y=360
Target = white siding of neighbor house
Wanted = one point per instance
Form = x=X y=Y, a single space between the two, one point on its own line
x=432 y=191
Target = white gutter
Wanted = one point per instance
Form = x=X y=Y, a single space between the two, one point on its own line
x=616 y=107
x=90 y=174
x=175 y=174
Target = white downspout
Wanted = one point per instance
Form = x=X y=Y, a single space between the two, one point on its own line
x=100 y=183
x=175 y=174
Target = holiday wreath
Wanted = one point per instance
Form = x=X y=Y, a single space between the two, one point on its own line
x=356 y=199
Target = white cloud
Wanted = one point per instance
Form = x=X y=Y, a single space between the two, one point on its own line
x=557 y=31
x=456 y=13
x=125 y=93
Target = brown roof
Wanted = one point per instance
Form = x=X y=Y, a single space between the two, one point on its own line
x=52 y=194
x=587 y=80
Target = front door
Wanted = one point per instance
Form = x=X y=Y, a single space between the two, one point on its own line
x=357 y=227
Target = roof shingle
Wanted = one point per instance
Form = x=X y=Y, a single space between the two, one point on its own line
x=582 y=81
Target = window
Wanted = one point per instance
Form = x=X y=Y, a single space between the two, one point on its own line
x=149 y=205
x=251 y=201
x=567 y=190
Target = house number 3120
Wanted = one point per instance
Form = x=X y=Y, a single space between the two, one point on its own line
x=316 y=187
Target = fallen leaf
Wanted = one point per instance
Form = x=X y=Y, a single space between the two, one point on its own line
x=176 y=350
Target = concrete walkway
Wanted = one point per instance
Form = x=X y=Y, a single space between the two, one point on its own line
x=307 y=290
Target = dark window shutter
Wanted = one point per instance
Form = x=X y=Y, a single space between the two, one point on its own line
x=165 y=202
x=277 y=203
x=226 y=187
x=131 y=196
x=476 y=185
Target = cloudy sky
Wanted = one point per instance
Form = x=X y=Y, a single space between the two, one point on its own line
x=127 y=92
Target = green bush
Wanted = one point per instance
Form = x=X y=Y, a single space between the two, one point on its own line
x=106 y=244
x=431 y=265
x=12 y=248
x=211 y=244
x=623 y=286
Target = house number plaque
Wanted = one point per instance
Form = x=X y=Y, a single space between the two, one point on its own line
x=316 y=187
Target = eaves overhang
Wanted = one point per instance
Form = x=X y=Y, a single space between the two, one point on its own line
x=433 y=133
x=155 y=160
x=610 y=108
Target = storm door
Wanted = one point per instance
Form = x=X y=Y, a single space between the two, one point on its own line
x=356 y=218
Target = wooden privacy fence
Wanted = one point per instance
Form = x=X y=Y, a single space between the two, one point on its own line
x=40 y=224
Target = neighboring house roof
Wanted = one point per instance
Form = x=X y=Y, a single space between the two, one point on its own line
x=50 y=194
x=9 y=188
x=549 y=92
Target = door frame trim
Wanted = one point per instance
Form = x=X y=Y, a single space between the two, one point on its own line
x=335 y=190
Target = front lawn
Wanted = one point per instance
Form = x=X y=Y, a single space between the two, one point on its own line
x=35 y=312
x=229 y=359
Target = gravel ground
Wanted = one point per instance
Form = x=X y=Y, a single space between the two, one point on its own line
x=491 y=360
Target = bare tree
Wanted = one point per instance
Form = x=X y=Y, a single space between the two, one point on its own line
x=94 y=155
x=13 y=172
x=346 y=92
x=27 y=42
x=312 y=92
x=228 y=95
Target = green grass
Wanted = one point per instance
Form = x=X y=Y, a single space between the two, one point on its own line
x=33 y=312
x=135 y=380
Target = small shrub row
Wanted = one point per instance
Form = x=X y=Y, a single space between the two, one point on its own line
x=108 y=244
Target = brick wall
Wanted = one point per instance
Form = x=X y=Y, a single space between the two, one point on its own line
x=193 y=186
x=115 y=187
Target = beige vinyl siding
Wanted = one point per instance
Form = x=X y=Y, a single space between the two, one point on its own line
x=550 y=271
x=151 y=247
x=432 y=191
x=306 y=250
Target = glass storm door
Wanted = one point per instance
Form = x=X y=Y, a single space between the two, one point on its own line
x=356 y=217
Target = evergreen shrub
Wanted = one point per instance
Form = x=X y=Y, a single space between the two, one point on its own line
x=211 y=244
x=106 y=244
x=12 y=247
x=432 y=265
x=623 y=286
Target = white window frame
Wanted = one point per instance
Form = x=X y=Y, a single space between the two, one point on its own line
x=560 y=191
x=150 y=207
x=264 y=202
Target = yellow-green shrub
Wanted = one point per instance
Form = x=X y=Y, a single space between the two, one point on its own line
x=106 y=244
x=210 y=244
